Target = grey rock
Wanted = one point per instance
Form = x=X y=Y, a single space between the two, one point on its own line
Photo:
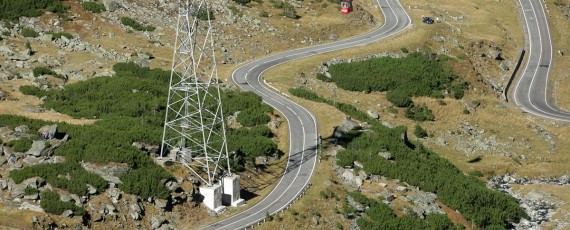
x=15 y=166
x=3 y=161
x=34 y=182
x=22 y=129
x=65 y=198
x=135 y=215
x=91 y=190
x=48 y=131
x=67 y=214
x=388 y=124
x=348 y=177
x=172 y=185
x=372 y=114
x=34 y=196
x=97 y=217
x=358 y=206
x=109 y=172
x=46 y=38
x=156 y=222
x=386 y=155
x=18 y=191
x=37 y=148
x=114 y=194
x=160 y=204
x=315 y=220
x=109 y=208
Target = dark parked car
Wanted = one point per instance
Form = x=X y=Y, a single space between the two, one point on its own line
x=427 y=20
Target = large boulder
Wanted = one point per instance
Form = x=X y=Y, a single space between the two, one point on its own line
x=109 y=172
x=114 y=194
x=48 y=131
x=34 y=182
x=37 y=148
x=111 y=5
x=156 y=222
x=372 y=114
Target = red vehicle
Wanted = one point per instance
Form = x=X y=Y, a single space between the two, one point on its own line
x=346 y=6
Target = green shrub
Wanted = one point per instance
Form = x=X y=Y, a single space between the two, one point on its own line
x=40 y=70
x=52 y=204
x=263 y=13
x=420 y=167
x=399 y=98
x=252 y=117
x=203 y=14
x=30 y=191
x=76 y=184
x=476 y=173
x=12 y=10
x=94 y=7
x=242 y=2
x=457 y=91
x=419 y=113
x=289 y=11
x=322 y=77
x=123 y=118
x=146 y=182
x=404 y=50
x=306 y=94
x=58 y=35
x=29 y=33
x=136 y=25
x=21 y=145
x=420 y=132
x=416 y=74
x=31 y=90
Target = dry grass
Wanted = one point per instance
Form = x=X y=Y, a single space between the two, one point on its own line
x=312 y=204
x=486 y=20
x=559 y=78
x=553 y=193
x=18 y=103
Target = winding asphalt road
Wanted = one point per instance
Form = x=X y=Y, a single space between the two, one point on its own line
x=531 y=91
x=302 y=124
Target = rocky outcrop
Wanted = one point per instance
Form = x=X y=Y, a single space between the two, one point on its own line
x=109 y=172
x=539 y=205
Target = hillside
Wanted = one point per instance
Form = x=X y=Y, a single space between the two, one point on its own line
x=479 y=132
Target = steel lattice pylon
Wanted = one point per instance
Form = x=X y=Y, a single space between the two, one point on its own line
x=194 y=129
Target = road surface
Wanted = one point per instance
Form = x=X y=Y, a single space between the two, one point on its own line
x=302 y=124
x=531 y=91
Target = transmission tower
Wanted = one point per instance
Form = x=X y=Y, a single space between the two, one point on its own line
x=194 y=129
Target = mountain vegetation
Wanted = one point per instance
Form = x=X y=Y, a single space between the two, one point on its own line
x=420 y=167
x=416 y=74
x=130 y=107
x=12 y=10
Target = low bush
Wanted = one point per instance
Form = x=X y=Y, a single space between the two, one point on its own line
x=252 y=117
x=130 y=107
x=419 y=113
x=203 y=14
x=12 y=10
x=76 y=183
x=40 y=70
x=420 y=132
x=416 y=74
x=52 y=204
x=323 y=77
x=21 y=145
x=136 y=25
x=29 y=33
x=94 y=7
x=58 y=35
